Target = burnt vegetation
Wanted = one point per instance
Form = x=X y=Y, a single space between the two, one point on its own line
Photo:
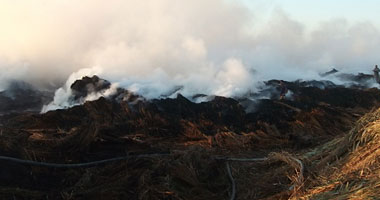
x=300 y=126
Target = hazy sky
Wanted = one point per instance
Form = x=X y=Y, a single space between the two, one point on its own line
x=312 y=12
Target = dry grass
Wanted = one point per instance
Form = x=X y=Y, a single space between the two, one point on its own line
x=298 y=178
x=348 y=167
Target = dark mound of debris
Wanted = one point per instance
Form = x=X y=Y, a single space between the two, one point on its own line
x=21 y=96
x=333 y=71
x=360 y=80
x=88 y=85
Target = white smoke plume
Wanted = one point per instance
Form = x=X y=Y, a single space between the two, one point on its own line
x=63 y=94
x=152 y=46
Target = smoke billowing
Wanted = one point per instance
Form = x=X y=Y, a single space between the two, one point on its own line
x=153 y=46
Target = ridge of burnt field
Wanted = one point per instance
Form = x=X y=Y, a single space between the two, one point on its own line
x=125 y=124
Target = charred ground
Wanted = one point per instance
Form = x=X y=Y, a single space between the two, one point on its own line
x=193 y=133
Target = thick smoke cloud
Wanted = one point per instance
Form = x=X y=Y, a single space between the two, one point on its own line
x=153 y=46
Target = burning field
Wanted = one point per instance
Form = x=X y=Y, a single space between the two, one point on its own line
x=320 y=142
x=200 y=99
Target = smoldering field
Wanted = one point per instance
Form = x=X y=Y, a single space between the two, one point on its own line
x=212 y=47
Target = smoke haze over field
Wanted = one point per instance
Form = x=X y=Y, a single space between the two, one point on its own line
x=212 y=47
